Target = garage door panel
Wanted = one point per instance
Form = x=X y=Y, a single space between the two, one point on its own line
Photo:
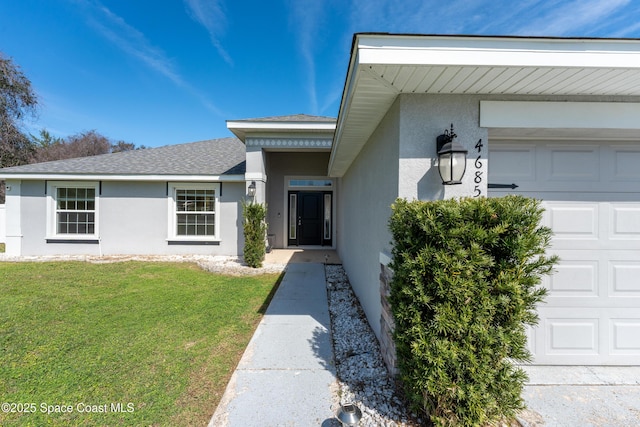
x=625 y=164
x=591 y=197
x=514 y=162
x=586 y=336
x=624 y=278
x=568 y=196
x=532 y=339
x=574 y=279
x=593 y=225
x=625 y=336
x=573 y=163
x=572 y=336
x=594 y=278
x=569 y=221
x=625 y=221
x=558 y=166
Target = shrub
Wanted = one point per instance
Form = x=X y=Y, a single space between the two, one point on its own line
x=466 y=284
x=255 y=231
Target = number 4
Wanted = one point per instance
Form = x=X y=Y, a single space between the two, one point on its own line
x=479 y=145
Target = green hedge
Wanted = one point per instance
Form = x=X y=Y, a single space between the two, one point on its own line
x=466 y=284
x=255 y=232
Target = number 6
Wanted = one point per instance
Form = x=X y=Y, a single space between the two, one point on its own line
x=478 y=163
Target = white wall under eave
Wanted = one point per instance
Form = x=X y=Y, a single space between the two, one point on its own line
x=423 y=117
x=133 y=220
x=399 y=160
x=365 y=195
x=256 y=171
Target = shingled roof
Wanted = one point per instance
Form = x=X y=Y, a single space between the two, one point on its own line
x=224 y=156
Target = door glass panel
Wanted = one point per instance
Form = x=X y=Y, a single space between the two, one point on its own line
x=327 y=216
x=310 y=183
x=293 y=214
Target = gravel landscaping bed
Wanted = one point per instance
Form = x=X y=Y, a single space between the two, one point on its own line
x=215 y=264
x=363 y=378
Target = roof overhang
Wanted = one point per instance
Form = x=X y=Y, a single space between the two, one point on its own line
x=382 y=66
x=243 y=128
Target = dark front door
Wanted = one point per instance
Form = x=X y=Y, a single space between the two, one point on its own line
x=309 y=218
x=307 y=212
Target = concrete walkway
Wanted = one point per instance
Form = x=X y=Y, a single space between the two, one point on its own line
x=286 y=374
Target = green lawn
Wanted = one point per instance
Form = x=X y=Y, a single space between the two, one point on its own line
x=135 y=343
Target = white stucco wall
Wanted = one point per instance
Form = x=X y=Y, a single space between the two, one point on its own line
x=365 y=195
x=399 y=160
x=133 y=219
x=13 y=237
x=256 y=171
x=423 y=118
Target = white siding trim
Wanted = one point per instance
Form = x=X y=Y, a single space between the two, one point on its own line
x=559 y=115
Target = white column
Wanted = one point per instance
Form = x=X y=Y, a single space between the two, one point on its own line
x=256 y=172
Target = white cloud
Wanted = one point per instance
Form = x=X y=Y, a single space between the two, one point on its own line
x=131 y=41
x=628 y=30
x=306 y=20
x=496 y=17
x=210 y=14
x=134 y=43
x=574 y=18
x=312 y=20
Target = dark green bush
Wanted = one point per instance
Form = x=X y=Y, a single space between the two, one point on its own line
x=466 y=284
x=255 y=229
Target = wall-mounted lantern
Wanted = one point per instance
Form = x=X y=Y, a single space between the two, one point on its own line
x=252 y=189
x=452 y=158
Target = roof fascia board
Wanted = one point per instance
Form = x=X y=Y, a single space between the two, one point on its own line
x=390 y=41
x=505 y=52
x=99 y=177
x=242 y=128
x=292 y=135
x=276 y=126
x=345 y=103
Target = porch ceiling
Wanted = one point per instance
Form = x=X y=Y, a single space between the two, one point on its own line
x=384 y=66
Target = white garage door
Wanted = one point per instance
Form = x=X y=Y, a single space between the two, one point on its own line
x=591 y=193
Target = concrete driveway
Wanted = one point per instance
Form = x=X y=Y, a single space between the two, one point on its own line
x=571 y=396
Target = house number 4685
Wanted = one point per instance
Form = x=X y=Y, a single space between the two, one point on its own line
x=478 y=165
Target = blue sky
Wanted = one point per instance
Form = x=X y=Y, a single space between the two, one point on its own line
x=170 y=71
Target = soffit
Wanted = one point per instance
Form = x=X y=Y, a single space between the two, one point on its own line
x=384 y=66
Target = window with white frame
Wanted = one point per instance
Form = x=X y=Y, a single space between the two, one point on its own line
x=73 y=209
x=194 y=209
